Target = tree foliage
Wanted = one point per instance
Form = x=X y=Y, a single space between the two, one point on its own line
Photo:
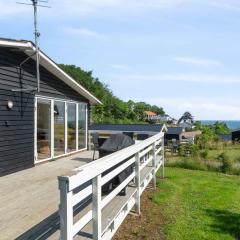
x=113 y=110
x=210 y=133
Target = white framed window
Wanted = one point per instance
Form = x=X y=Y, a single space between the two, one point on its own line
x=60 y=127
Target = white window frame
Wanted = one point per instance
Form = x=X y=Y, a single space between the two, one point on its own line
x=86 y=126
x=66 y=153
x=76 y=117
x=65 y=129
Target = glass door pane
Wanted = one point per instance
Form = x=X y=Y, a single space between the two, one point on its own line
x=59 y=128
x=71 y=121
x=43 y=129
x=82 y=125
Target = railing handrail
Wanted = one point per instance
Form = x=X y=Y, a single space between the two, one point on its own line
x=97 y=167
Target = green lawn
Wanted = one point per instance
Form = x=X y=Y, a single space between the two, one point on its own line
x=199 y=205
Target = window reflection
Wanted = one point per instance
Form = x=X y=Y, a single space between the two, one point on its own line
x=82 y=107
x=59 y=128
x=43 y=129
x=71 y=120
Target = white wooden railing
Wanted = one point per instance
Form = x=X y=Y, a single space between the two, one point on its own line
x=84 y=211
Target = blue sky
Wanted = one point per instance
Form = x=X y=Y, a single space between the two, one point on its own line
x=179 y=54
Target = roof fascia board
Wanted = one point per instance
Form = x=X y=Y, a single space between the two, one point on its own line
x=53 y=68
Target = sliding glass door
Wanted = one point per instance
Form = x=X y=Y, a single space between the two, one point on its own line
x=59 y=128
x=71 y=124
x=43 y=129
x=82 y=124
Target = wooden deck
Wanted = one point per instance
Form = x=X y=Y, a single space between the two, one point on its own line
x=29 y=199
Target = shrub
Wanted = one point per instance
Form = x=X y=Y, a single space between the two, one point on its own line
x=204 y=154
x=181 y=150
x=226 y=163
x=194 y=149
x=237 y=159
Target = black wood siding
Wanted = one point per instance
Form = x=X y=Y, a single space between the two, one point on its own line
x=17 y=125
x=236 y=136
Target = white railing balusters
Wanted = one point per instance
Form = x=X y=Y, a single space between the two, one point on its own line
x=77 y=188
x=66 y=211
x=138 y=184
x=154 y=165
x=97 y=211
x=162 y=151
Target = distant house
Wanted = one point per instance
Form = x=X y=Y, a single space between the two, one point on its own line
x=173 y=133
x=164 y=118
x=173 y=121
x=225 y=137
x=150 y=115
x=186 y=125
x=189 y=136
x=236 y=135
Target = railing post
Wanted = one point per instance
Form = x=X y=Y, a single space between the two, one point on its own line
x=138 y=184
x=163 y=156
x=97 y=211
x=65 y=211
x=154 y=165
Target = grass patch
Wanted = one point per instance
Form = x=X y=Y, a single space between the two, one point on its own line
x=199 y=205
x=226 y=160
x=232 y=152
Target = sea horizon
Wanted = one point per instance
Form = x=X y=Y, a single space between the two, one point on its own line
x=232 y=124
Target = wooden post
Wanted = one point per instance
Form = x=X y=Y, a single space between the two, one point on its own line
x=138 y=184
x=65 y=211
x=97 y=212
x=154 y=166
x=162 y=157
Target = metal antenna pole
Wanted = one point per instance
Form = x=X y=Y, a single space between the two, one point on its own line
x=37 y=35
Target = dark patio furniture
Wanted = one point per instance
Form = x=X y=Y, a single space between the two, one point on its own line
x=113 y=144
x=130 y=134
x=142 y=137
x=95 y=138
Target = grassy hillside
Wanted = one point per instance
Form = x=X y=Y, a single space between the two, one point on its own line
x=188 y=204
x=113 y=110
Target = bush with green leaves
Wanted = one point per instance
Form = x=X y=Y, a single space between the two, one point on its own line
x=226 y=163
x=181 y=150
x=204 y=154
x=193 y=149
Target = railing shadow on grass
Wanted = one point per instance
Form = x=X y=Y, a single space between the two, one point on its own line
x=225 y=222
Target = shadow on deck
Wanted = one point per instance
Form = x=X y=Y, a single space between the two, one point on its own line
x=44 y=229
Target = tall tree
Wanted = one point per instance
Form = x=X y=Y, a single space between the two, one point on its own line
x=113 y=110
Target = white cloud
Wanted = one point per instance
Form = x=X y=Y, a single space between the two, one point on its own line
x=180 y=77
x=198 y=61
x=85 y=32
